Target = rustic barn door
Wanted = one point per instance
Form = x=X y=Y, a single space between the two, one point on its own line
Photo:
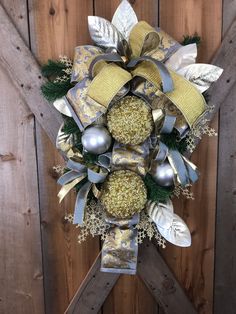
x=51 y=260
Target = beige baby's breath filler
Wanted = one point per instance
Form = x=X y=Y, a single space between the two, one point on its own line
x=123 y=194
x=130 y=120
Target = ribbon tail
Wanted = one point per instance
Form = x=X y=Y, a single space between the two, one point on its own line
x=192 y=170
x=177 y=163
x=80 y=204
x=69 y=186
x=120 y=248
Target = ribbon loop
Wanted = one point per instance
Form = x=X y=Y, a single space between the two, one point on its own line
x=166 y=80
x=97 y=177
x=107 y=84
x=143 y=39
x=108 y=57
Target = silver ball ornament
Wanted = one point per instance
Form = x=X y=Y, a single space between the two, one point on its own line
x=163 y=174
x=96 y=139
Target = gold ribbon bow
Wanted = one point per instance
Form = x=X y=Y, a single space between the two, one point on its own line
x=91 y=96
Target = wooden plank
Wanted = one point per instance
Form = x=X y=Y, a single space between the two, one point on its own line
x=26 y=75
x=129 y=287
x=161 y=282
x=65 y=261
x=21 y=275
x=95 y=284
x=225 y=256
x=154 y=273
x=194 y=266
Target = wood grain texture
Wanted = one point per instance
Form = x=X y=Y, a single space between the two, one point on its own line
x=21 y=277
x=65 y=261
x=26 y=75
x=155 y=274
x=129 y=287
x=225 y=262
x=194 y=266
x=87 y=300
x=161 y=282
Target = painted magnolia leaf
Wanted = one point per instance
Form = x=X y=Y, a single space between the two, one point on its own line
x=61 y=105
x=178 y=233
x=201 y=75
x=184 y=56
x=124 y=18
x=160 y=213
x=170 y=225
x=103 y=33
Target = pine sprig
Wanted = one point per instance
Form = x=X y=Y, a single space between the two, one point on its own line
x=172 y=142
x=195 y=39
x=54 y=90
x=155 y=192
x=53 y=68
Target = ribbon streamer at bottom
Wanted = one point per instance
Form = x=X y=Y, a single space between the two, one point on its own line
x=120 y=249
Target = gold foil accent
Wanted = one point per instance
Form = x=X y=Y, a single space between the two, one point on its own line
x=82 y=59
x=131 y=157
x=120 y=249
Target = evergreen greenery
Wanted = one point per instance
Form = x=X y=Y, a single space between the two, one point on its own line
x=155 y=192
x=54 y=90
x=172 y=142
x=70 y=127
x=53 y=68
x=191 y=40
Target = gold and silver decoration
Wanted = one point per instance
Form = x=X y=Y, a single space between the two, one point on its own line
x=133 y=109
x=96 y=139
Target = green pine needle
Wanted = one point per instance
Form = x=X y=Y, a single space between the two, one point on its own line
x=53 y=68
x=170 y=140
x=70 y=126
x=155 y=192
x=54 y=90
x=191 y=40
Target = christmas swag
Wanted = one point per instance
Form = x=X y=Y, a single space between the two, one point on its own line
x=133 y=107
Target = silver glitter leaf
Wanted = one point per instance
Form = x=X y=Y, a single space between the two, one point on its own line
x=104 y=34
x=124 y=18
x=201 y=75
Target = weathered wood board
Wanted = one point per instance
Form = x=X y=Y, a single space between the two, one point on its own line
x=66 y=263
x=225 y=263
x=21 y=273
x=194 y=267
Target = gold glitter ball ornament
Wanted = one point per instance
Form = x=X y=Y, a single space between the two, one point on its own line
x=123 y=194
x=130 y=120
